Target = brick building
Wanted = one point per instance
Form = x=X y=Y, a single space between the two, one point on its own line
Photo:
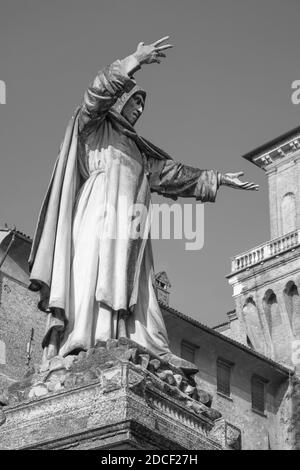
x=249 y=364
x=21 y=323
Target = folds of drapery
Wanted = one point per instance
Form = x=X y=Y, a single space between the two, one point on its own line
x=50 y=256
x=49 y=259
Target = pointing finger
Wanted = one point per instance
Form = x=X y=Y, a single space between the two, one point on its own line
x=162 y=48
x=156 y=43
x=252 y=187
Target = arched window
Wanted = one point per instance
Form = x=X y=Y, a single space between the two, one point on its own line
x=288 y=213
x=292 y=304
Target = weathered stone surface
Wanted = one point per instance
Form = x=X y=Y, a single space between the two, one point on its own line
x=155 y=364
x=112 y=343
x=81 y=355
x=73 y=371
x=2 y=417
x=167 y=376
x=178 y=379
x=170 y=377
x=44 y=366
x=227 y=434
x=56 y=363
x=69 y=360
x=89 y=353
x=212 y=414
x=100 y=382
x=54 y=386
x=70 y=381
x=104 y=389
x=4 y=400
x=204 y=397
x=37 y=391
x=126 y=354
x=196 y=407
x=18 y=313
x=186 y=367
x=189 y=390
x=144 y=360
x=123 y=342
x=86 y=417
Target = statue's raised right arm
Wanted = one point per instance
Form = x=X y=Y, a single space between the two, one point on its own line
x=114 y=83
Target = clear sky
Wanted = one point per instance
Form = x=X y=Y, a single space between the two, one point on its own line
x=223 y=90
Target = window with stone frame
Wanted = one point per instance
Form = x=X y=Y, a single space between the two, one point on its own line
x=258 y=394
x=224 y=368
x=188 y=351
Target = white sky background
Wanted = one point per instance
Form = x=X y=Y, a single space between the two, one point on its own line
x=223 y=90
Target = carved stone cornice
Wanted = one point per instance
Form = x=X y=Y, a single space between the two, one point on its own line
x=275 y=152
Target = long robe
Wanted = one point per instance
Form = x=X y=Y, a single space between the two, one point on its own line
x=86 y=259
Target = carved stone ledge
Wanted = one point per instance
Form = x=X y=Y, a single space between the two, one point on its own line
x=227 y=434
x=87 y=367
x=76 y=393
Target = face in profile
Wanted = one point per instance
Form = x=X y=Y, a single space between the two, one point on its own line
x=134 y=108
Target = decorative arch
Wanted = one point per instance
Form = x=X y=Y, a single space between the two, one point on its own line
x=292 y=305
x=254 y=327
x=271 y=310
x=288 y=212
x=275 y=324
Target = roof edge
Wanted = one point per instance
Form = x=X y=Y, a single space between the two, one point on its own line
x=271 y=143
x=19 y=234
x=284 y=369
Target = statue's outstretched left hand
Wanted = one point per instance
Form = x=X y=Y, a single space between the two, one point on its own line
x=233 y=180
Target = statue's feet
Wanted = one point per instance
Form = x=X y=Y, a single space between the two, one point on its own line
x=187 y=367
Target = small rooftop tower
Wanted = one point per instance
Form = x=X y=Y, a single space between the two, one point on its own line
x=162 y=287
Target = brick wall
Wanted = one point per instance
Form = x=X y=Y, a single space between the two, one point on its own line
x=18 y=315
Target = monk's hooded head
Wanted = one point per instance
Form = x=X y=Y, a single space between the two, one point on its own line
x=131 y=105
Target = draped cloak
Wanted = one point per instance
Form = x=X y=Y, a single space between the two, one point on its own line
x=84 y=277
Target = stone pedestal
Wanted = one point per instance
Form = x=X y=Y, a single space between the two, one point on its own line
x=116 y=396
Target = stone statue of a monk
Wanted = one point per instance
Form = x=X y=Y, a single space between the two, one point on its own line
x=97 y=287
